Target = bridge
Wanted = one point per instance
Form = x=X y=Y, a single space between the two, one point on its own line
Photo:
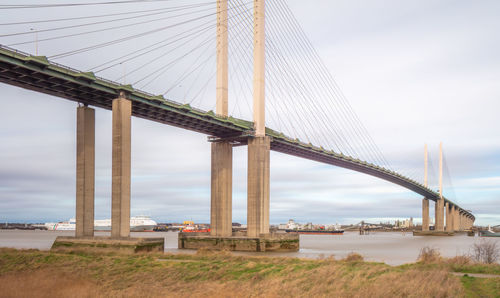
x=39 y=74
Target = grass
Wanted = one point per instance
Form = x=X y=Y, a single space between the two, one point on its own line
x=481 y=287
x=27 y=273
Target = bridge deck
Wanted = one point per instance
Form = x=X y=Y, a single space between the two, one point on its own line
x=39 y=74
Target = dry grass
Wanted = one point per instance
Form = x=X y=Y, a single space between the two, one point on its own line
x=429 y=255
x=459 y=261
x=46 y=283
x=354 y=257
x=208 y=274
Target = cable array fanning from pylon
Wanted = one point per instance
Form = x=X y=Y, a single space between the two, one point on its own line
x=168 y=47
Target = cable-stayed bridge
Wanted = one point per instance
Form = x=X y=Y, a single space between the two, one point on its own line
x=310 y=129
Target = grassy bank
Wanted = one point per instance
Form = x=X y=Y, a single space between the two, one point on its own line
x=85 y=274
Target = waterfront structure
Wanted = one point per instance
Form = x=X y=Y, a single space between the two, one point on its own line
x=456 y=219
x=39 y=74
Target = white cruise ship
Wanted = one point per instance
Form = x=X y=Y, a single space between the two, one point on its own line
x=137 y=224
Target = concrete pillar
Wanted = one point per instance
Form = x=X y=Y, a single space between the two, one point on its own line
x=258 y=186
x=449 y=217
x=425 y=214
x=120 y=207
x=439 y=215
x=85 y=171
x=221 y=190
x=439 y=212
x=456 y=220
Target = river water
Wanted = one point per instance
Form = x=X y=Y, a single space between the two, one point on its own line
x=393 y=248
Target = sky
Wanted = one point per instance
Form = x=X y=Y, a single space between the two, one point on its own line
x=415 y=73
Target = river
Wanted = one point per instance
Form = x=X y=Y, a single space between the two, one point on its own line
x=393 y=248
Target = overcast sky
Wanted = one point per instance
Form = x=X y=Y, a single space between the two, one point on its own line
x=415 y=72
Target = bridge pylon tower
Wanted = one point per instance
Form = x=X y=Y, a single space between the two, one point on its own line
x=259 y=145
x=439 y=206
x=221 y=151
x=425 y=201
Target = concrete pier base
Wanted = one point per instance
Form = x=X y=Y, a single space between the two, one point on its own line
x=108 y=244
x=433 y=233
x=265 y=243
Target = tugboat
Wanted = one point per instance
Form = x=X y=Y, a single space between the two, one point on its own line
x=190 y=227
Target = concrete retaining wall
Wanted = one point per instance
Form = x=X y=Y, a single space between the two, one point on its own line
x=268 y=242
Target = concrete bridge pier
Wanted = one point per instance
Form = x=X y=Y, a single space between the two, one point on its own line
x=471 y=223
x=258 y=186
x=85 y=177
x=439 y=215
x=425 y=214
x=85 y=171
x=221 y=189
x=449 y=217
x=120 y=205
x=456 y=220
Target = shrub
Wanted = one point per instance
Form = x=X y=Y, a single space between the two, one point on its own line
x=429 y=255
x=459 y=260
x=486 y=251
x=354 y=257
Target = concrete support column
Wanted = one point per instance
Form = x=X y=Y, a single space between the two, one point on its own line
x=461 y=219
x=456 y=220
x=221 y=190
x=120 y=207
x=449 y=217
x=258 y=186
x=439 y=215
x=85 y=171
x=425 y=214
